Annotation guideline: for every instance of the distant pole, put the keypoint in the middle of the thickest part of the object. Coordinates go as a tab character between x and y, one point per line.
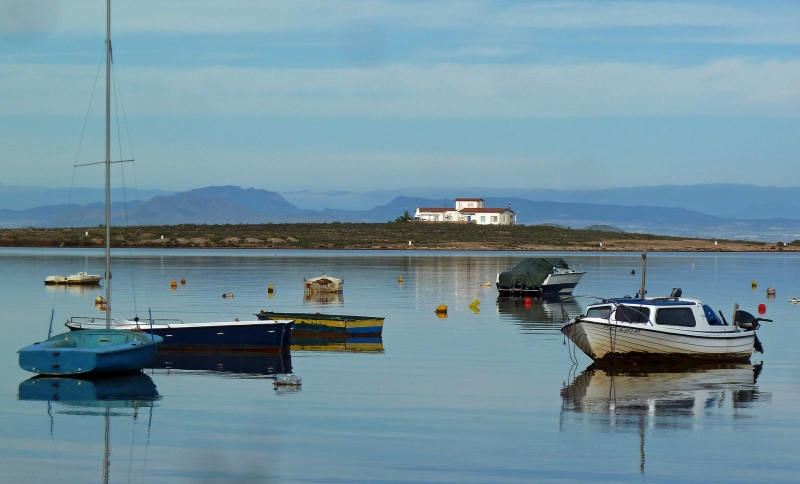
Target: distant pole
642	291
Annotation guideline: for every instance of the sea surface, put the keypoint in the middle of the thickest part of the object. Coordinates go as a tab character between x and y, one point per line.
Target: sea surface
491	394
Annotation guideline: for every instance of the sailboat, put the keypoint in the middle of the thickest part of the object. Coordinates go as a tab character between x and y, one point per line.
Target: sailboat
94	350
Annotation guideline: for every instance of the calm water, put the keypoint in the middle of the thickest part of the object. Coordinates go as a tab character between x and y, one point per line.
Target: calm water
491	396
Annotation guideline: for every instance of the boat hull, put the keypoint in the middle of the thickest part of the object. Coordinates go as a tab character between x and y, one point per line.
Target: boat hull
307	324
89	351
608	339
554	284
273	336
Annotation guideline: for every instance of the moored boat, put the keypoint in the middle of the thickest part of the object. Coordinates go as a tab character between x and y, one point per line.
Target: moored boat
95	351
660	327
538	276
266	336
334	324
323	284
81	278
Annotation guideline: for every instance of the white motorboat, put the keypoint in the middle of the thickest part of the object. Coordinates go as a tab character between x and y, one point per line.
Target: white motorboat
323	284
81	278
661	327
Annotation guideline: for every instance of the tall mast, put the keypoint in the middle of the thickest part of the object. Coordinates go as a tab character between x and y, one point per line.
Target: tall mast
108	164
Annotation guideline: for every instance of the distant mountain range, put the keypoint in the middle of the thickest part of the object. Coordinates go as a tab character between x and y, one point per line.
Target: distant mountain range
234	205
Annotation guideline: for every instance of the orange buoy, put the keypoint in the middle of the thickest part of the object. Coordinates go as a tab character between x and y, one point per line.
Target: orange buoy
173	284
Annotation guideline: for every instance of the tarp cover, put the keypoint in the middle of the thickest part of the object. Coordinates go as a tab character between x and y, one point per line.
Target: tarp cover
530	272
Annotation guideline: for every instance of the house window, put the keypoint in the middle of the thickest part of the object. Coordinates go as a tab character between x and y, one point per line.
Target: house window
483	218
494	218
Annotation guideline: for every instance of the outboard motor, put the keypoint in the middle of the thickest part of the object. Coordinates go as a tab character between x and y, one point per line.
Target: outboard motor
747	321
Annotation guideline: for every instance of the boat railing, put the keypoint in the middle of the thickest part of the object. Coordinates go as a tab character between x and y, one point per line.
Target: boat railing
92	321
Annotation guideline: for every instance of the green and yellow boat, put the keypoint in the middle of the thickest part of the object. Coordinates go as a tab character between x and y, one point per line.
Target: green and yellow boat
317	324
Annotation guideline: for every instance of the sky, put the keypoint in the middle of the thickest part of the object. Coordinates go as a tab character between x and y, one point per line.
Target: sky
355	95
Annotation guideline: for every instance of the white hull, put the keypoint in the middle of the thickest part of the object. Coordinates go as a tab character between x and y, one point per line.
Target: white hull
75	279
562	283
606	339
323	285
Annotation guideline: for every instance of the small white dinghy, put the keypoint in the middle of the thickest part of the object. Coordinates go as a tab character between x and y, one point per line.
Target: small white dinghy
81	278
323	284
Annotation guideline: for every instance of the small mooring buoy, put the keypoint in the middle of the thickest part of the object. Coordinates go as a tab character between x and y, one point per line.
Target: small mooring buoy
474	304
183	281
754	284
400	279
633	272
487	284
441	311
227	295
770	292
99	300
271	288
173	284
762	308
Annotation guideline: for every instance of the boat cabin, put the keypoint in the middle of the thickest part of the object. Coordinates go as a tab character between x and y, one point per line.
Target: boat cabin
670	312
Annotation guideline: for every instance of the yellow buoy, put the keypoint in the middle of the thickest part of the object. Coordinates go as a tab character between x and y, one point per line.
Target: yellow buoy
99	300
442	308
400	279
754	284
270	288
173	284
474	304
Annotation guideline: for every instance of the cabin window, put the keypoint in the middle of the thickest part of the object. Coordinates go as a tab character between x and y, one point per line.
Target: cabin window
633	314
599	312
711	316
676	317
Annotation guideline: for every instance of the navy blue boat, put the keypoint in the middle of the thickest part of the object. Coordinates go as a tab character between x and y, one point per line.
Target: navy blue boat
91	351
267	336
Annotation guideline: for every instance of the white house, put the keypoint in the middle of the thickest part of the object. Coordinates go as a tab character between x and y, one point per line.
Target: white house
470	210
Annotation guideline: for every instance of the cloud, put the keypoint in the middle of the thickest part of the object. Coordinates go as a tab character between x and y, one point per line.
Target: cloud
723	87
240	16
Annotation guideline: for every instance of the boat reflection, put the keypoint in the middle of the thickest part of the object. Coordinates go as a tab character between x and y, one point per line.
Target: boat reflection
536	315
75	288
133	390
674	395
233	364
339	345
323	299
95	397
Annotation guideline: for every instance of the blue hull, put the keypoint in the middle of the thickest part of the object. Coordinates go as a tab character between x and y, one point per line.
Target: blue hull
249	337
89	351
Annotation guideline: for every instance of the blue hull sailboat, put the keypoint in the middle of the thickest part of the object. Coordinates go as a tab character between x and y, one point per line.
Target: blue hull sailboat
87	351
96	350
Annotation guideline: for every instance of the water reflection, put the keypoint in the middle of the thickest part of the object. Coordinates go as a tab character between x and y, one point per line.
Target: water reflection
324	299
667	396
134	390
233	364
74	288
94	397
535	315
348	344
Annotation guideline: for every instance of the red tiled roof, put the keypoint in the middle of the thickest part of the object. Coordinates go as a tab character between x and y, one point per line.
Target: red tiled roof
436	209
469	199
484	210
